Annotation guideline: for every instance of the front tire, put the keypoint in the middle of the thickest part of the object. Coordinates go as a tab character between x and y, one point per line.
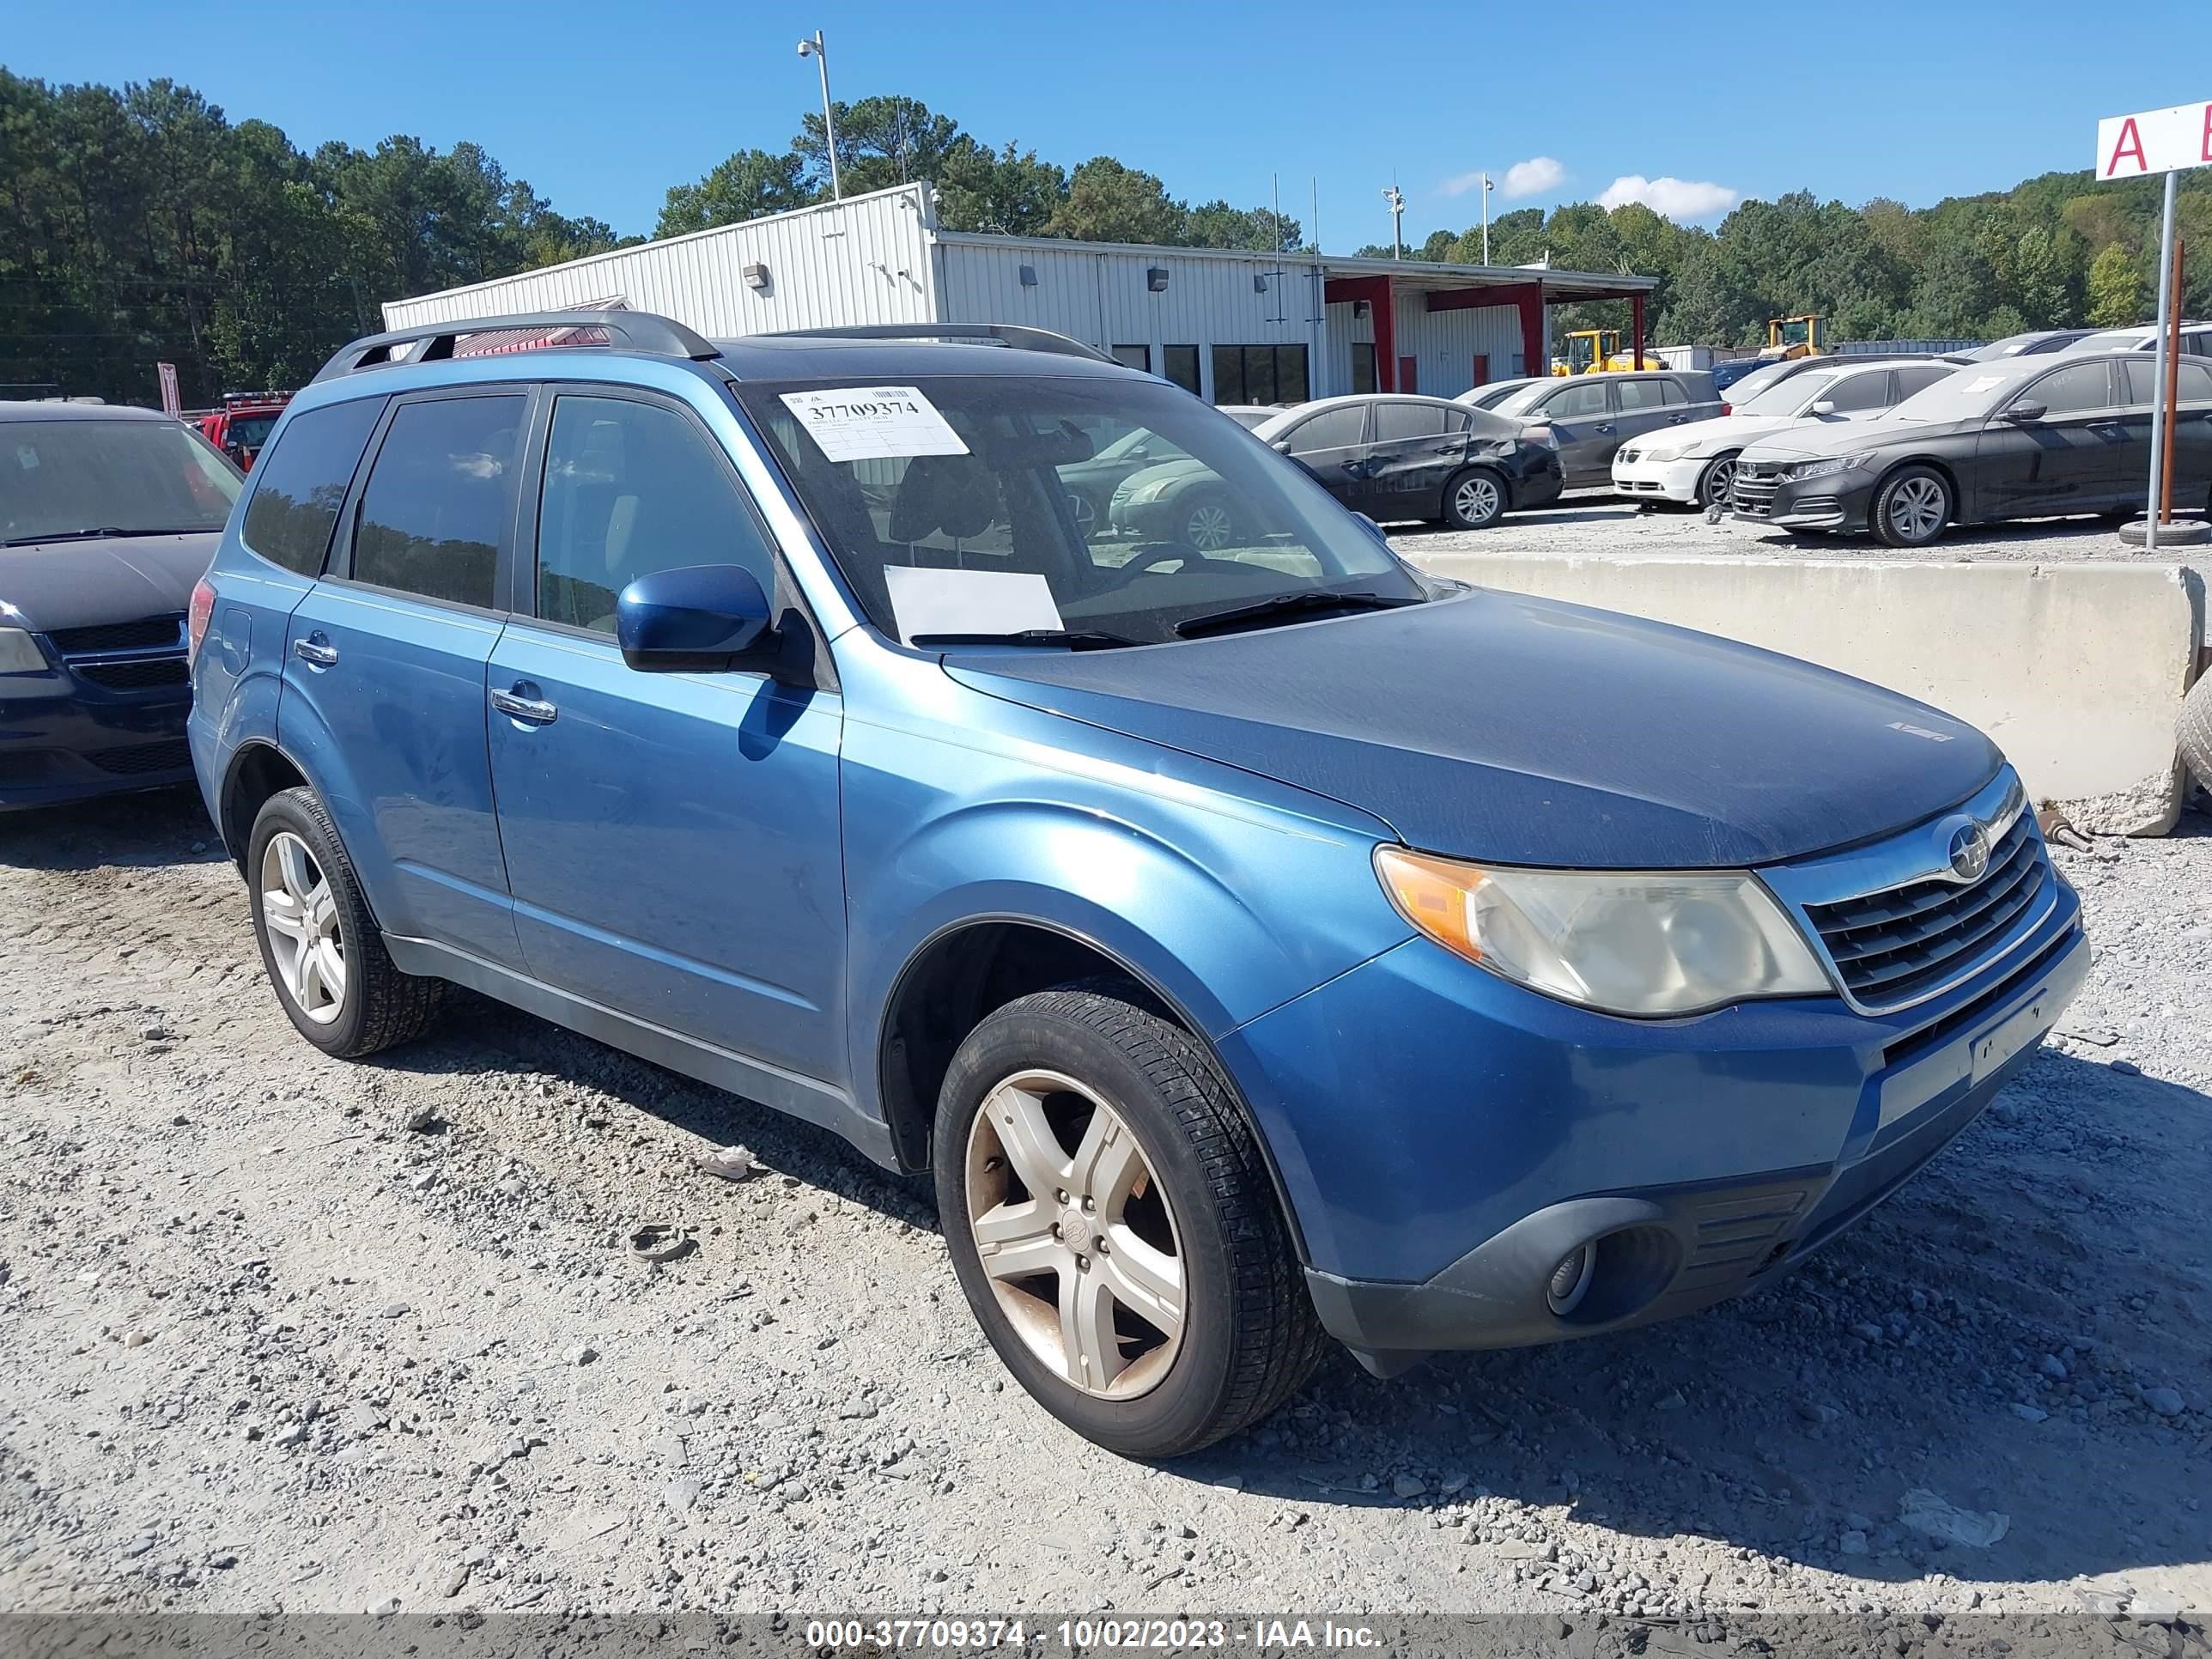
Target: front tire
1474	499
1912	506
319	946
1113	1226
1208	522
1716	483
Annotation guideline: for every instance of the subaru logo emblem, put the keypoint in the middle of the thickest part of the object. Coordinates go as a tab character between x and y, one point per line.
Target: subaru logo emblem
1970	852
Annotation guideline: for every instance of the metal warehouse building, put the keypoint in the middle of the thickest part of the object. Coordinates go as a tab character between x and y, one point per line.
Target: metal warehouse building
1233	327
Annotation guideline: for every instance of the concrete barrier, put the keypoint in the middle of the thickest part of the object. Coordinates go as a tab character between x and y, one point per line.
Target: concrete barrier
2077	670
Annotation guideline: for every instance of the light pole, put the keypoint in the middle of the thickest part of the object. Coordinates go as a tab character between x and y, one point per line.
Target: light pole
1396	198
1485	218
820	54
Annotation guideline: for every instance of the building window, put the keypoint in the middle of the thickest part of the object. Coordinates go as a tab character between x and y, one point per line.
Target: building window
1363	365
1259	374
1182	367
1135	356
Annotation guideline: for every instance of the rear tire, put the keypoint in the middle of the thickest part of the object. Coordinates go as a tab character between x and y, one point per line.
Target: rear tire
1020	1142
1912	506
1475	499
320	947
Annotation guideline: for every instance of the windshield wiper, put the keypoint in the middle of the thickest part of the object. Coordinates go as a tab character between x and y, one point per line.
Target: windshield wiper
93	533
1073	638
1288	605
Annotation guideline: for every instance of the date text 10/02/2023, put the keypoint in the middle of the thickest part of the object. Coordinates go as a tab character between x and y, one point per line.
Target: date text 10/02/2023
1138	1634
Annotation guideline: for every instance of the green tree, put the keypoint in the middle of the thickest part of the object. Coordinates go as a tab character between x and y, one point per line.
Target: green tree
1008	193
748	185
2115	288
1108	202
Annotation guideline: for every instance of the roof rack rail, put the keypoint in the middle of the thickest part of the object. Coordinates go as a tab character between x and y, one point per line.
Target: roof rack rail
1016	335
638	331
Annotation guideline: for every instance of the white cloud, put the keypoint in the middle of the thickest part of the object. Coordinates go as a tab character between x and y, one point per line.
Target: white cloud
1530	178
1670	198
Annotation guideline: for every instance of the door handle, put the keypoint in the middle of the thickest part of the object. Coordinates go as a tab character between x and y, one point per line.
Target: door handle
1676	420
1607	429
315	650
536	711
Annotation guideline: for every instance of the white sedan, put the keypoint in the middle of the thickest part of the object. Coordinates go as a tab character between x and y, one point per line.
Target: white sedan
1695	463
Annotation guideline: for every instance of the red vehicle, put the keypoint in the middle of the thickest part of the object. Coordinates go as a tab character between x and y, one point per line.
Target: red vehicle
241	426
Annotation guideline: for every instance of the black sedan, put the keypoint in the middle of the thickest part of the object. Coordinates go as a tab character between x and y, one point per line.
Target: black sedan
2025	438
108	516
1395	457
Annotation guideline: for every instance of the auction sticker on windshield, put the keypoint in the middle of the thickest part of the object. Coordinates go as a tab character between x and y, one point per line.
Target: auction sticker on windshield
874	423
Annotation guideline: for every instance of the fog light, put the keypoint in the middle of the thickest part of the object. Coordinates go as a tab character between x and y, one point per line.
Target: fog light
1570	1279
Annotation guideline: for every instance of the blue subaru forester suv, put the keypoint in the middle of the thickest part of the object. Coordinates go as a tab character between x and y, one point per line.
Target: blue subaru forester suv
1258	943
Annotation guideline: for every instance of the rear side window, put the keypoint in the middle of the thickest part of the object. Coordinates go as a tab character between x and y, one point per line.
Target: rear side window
439	497
633	488
1397	422
2194	385
1643	394
1910	381
1670	392
300	485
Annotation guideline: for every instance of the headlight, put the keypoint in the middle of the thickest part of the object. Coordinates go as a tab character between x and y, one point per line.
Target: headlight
19	652
1664	452
1145	494
1823	469
1646	944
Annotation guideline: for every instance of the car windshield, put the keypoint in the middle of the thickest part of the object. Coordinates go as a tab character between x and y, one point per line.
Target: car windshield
969	504
1520	402
1759	381
77	478
1786	397
1962	396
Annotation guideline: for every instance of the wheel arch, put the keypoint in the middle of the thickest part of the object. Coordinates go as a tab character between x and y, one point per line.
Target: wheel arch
1935	464
259	770
965	970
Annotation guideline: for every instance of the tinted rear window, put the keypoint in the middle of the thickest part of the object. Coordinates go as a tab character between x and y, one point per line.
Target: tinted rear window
440	495
300	484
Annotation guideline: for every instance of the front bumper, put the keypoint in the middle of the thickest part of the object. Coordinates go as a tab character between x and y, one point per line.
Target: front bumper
1438	1179
1664	480
1834	501
69	744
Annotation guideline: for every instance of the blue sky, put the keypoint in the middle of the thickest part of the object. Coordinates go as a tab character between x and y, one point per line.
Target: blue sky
602	107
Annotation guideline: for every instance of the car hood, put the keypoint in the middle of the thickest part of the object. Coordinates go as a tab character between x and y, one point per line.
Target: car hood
1523	731
1806	439
53	585
1721	432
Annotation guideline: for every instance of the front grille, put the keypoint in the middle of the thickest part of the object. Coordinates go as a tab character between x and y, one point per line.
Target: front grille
1754	489
135	674
1892	947
148	633
170	755
1630	454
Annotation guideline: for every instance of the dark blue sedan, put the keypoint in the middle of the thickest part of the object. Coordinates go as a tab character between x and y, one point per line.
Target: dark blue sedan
108	517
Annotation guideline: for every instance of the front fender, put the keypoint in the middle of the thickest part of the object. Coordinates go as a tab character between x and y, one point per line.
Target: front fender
1219	889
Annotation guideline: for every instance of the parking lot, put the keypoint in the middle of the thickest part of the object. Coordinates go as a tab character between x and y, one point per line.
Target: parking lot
287	1333
1598	522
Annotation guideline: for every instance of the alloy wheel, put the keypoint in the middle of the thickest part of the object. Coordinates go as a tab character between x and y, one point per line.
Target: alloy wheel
1075	1235
1720	483
1476	499
301	915
1916	509
1209	526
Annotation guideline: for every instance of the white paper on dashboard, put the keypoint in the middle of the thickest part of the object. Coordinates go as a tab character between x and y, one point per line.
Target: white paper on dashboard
928	600
874	423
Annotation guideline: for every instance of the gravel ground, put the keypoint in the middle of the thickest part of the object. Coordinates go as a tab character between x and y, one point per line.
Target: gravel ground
1598	522
284	1332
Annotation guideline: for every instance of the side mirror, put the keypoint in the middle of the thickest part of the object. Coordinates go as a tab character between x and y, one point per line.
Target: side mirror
1824	405
701	617
2019	412
1281	445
